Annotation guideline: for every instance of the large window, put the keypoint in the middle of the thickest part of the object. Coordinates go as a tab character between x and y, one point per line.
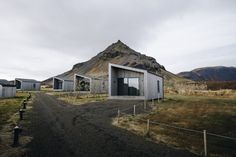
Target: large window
128	86
158	86
58	84
18	84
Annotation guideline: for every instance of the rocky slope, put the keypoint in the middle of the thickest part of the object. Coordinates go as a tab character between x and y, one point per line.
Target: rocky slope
119	53
217	73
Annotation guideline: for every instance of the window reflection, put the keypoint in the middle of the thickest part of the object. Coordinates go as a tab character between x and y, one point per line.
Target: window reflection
128	86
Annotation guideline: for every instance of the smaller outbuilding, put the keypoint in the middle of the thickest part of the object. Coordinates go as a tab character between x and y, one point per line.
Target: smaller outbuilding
82	83
132	83
62	84
27	84
7	89
87	84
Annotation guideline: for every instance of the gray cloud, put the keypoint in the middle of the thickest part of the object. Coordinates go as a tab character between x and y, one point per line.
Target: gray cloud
60	33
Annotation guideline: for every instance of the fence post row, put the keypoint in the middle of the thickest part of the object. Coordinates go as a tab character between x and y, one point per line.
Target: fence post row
191	130
205	143
16	129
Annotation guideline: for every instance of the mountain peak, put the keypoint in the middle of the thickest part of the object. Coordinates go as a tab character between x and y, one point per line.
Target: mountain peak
116	49
118	41
119	46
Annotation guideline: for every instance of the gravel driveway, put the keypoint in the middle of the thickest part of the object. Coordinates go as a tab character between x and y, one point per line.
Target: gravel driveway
63	130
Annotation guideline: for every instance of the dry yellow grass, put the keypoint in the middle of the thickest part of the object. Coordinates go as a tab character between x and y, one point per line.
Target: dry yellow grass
215	114
9	106
79	98
9	119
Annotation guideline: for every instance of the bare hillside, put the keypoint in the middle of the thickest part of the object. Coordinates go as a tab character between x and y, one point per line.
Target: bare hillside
120	53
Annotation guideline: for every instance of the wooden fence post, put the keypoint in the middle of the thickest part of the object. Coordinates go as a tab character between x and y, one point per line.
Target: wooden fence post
205	142
134	110
152	102
148	126
145	104
118	115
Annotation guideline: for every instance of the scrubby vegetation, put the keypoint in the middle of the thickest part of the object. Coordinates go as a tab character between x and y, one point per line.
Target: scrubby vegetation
214	114
79	98
217	85
9	106
9	118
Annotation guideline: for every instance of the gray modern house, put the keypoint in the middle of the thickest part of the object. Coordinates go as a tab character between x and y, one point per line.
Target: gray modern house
62	84
90	84
7	89
27	84
131	83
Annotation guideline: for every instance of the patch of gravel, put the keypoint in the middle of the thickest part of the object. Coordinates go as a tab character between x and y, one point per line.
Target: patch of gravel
60	129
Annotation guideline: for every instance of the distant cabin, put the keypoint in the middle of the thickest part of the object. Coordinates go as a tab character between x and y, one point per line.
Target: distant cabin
27	84
86	84
7	89
62	84
131	83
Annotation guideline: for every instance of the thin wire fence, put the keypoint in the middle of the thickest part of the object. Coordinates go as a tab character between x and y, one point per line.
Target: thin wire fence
210	144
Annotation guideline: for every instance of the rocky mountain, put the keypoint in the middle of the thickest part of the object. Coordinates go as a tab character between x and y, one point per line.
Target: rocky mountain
217	73
120	53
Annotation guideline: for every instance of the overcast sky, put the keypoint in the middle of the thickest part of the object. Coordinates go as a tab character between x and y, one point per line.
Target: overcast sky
43	38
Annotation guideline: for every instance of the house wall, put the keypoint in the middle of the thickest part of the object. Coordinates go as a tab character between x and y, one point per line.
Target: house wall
112	81
99	86
6	92
148	83
68	85
152	86
123	73
29	86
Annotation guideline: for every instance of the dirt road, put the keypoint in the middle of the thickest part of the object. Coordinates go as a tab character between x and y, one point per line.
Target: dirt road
64	130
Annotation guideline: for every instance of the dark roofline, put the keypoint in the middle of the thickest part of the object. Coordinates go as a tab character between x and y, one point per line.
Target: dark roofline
7	85
155	74
27	80
134	69
59	78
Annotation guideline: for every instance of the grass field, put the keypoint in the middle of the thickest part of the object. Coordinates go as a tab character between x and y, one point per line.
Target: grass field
9	118
9	106
217	85
214	114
